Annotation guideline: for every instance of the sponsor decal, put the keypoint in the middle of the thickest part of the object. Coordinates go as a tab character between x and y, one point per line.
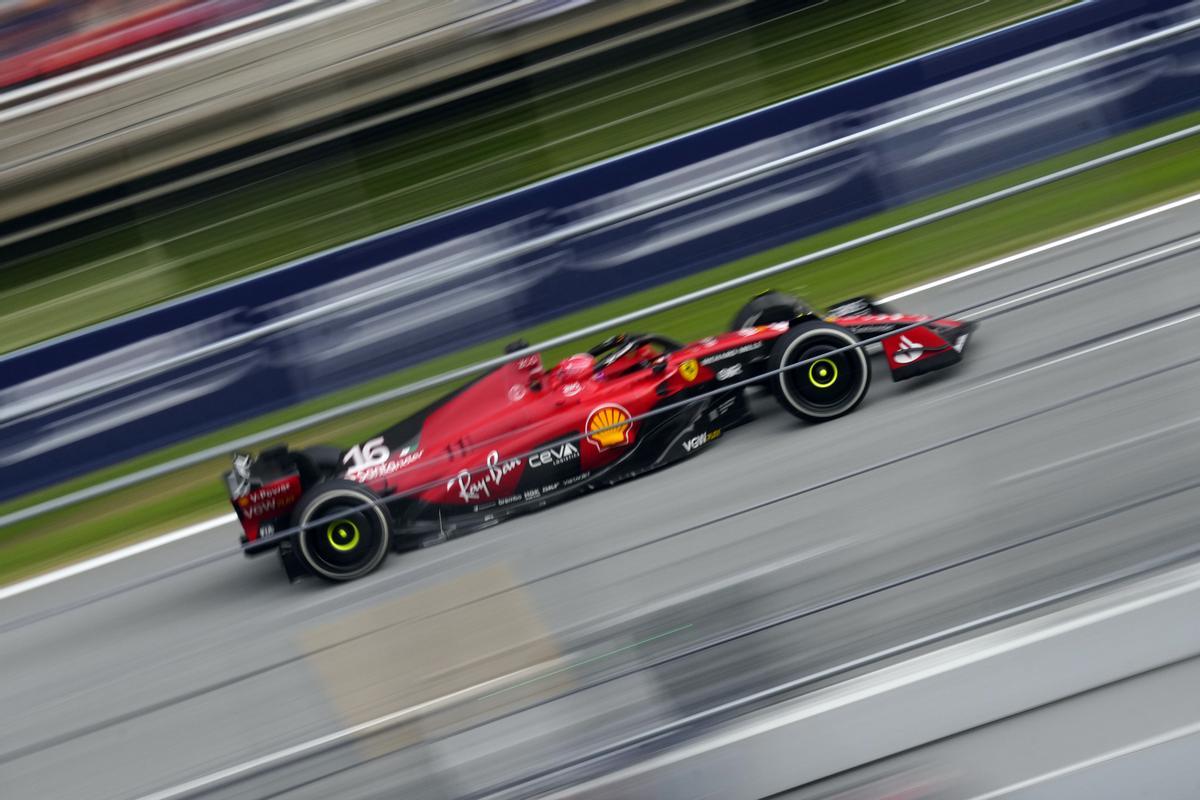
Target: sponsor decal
730	372
266	530
571	389
272	490
689	369
273	497
372	472
737	351
780	327
699	440
748	331
549	487
368	454
554	456
576	478
506	501
260	509
909	351
533	494
472	487
608	426
708	341
850	309
516	393
873	328
528	362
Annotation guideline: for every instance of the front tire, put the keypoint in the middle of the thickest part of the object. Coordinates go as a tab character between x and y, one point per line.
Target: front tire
345	532
827	384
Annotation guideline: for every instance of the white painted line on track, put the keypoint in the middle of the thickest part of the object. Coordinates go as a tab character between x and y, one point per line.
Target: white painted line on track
221	776
1088	276
1088	455
1143	744
1043	248
116	555
150	544
1060	359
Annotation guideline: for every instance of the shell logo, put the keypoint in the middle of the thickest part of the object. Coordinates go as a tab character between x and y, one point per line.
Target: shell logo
608	426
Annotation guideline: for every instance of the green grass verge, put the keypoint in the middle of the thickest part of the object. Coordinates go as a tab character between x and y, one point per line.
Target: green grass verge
943	247
542	127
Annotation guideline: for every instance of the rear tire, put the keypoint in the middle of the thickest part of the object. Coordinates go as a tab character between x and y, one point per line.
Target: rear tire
348	541
316	463
831	384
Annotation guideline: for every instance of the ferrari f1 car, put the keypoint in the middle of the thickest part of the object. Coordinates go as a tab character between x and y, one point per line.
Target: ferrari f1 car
521	437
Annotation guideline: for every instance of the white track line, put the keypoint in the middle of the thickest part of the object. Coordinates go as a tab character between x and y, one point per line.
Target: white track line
1142	744
1088	455
114	556
1090	276
1076	354
150	544
1042	248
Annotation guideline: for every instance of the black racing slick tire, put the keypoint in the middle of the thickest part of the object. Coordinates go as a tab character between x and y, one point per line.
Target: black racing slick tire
345	532
818	383
767	308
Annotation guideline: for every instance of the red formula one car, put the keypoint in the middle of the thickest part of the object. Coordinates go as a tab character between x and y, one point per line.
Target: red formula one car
520	438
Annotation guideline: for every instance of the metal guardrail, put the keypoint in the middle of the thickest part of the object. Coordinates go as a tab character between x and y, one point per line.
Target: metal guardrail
592	224
452	375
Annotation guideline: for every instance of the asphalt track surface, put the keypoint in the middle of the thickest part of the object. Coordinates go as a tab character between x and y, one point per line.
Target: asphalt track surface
1062	452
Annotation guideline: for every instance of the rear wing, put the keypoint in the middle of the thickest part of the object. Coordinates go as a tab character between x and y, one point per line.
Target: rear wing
263	491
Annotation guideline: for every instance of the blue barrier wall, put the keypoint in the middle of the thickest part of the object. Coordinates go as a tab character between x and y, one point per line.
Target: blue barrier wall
471	275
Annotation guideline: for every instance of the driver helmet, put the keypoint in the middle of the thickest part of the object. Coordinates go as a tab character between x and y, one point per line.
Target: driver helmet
577	367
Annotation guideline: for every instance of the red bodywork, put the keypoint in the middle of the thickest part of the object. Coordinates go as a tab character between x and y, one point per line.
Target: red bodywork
502	416
521	436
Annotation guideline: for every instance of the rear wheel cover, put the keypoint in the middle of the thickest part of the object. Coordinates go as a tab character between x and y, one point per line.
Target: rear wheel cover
344	536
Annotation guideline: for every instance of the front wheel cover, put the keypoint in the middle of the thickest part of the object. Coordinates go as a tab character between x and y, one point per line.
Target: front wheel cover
351	534
828	384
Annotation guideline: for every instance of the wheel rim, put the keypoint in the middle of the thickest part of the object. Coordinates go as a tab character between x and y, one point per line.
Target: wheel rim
346	543
822	373
827	381
342	535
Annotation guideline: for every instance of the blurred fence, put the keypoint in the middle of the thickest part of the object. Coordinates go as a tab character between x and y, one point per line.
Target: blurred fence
488	270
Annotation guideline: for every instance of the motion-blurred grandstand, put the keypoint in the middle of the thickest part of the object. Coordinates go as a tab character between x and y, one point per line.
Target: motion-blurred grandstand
40	38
